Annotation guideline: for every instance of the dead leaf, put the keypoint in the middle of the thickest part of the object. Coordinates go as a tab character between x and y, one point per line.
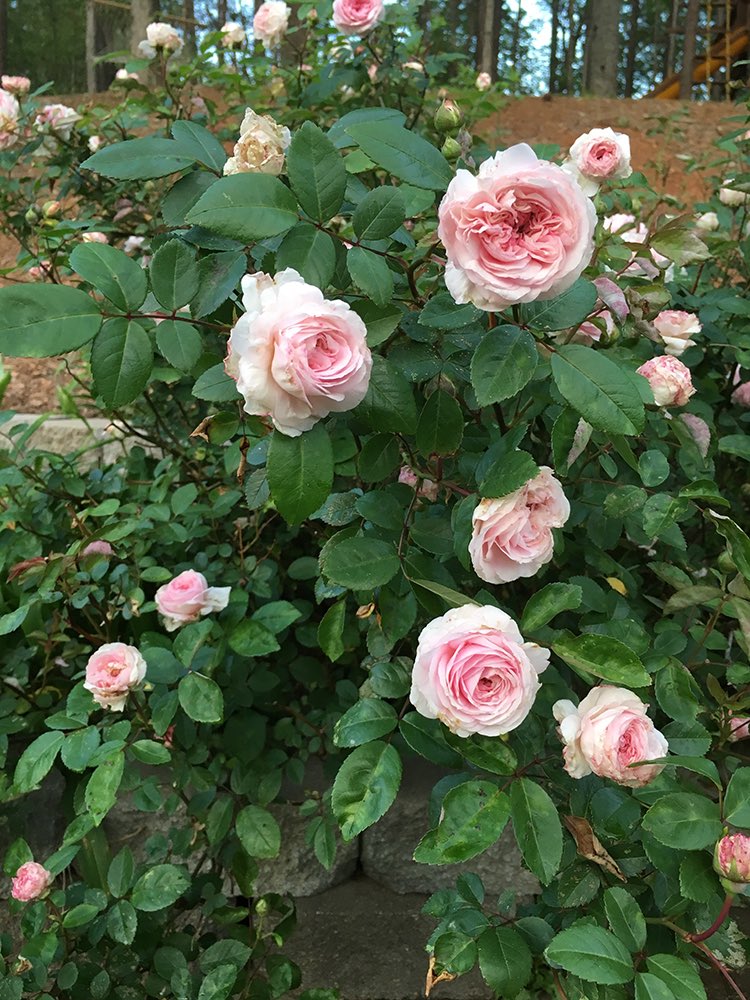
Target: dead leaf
590	847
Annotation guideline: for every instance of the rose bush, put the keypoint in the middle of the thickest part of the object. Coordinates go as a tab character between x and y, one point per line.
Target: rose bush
408	474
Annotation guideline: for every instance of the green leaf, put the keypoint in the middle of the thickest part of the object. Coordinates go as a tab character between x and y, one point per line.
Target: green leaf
258	832
79	916
14	619
174	273
101	790
442	313
219	983
122	358
79	747
218	276
548	602
310	252
451	597
455	952
624	500
486	752
679	242
650	987
201	698
120	873
380	321
681	978
361	563
602	656
371	274
404	154
300	472
365	787
205	147
246	207
737	799
605	394
151	752
536	824
684	821
698	880
735	444
215	385
183	195
36	761
508	474
389	404
159	887
592	953
111	272
472	818
368	719
564	311
379	457
380	213
331	631
677	693
504	960
440	428
139	159
122	922
316	172
42	321
503	363
738	543
252	638
426	737
625	918
180	344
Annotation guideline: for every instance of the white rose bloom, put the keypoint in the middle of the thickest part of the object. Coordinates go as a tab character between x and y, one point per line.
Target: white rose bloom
160	37
260	147
232	34
708	222
9	112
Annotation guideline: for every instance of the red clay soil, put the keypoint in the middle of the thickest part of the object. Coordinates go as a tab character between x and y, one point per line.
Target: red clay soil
672	144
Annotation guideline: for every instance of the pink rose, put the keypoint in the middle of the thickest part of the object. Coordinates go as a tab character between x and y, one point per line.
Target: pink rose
57	118
160	37
270	22
512	535
16	85
607	733
9	112
95	238
483	81
741	395
475	673
40	271
739	728
98	548
357	17
669	379
599	155
112	672
699	431
188	596
675	326
30	882
427	489
521	230
295	355
732	858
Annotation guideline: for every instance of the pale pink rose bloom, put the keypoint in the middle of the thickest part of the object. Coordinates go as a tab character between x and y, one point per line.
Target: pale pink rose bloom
675	327
57	118
521	230
475	673
95	237
708	222
297	356
428	489
739	728
232	35
599	155
261	146
16	85
112	672
699	431
123	76
188	596
483	81
40	271
670	380
198	106
9	112
94	143
270	22
607	733
741	395
98	548
512	535
160	37
30	882
357	17
732	858
133	244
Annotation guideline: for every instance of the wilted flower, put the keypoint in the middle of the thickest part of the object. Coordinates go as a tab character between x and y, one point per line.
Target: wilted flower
261	146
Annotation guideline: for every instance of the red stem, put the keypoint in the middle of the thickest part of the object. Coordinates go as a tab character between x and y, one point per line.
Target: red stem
723	914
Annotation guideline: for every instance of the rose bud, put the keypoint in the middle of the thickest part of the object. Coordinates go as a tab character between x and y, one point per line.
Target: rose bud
448	116
30	882
669	379
732	857
451	149
50	209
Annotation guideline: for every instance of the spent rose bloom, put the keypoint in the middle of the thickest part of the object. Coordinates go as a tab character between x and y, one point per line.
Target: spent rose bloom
270	22
160	37
30	882
732	858
670	380
260	147
9	112
475	673
57	118
607	733
94	143
741	395
188	596
427	489
98	548
739	728
708	222
40	271
232	35
133	244
699	431
112	672
512	535
122	75
357	17
599	155
95	237
519	231
675	327
297	356
483	81
16	85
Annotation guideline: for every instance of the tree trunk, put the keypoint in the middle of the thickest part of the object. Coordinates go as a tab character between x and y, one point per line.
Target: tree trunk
602	48
141	12
574	33
486	30
90	46
672	39
688	49
555	6
221	18
635	10
516	36
188	12
4	66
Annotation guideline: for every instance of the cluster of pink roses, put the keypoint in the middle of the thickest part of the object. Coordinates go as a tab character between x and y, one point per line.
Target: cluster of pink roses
352	17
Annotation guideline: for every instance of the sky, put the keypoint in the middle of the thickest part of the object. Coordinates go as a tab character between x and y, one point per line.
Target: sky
533	11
